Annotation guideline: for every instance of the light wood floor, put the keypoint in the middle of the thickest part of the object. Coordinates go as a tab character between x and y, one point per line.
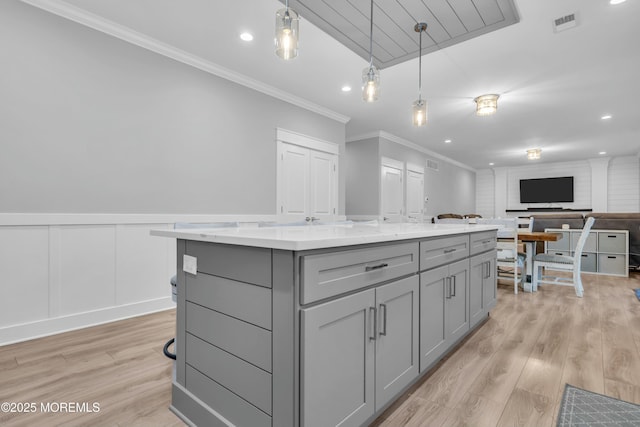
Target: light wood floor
511	372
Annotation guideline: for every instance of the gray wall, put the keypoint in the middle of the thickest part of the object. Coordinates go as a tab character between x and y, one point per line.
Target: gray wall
363	177
450	189
89	123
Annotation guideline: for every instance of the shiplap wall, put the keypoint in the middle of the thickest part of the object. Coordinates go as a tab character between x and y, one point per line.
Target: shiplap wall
580	171
623	184
485	190
623	188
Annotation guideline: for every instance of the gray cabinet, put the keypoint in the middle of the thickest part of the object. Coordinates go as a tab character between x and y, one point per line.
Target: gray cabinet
337	361
444	309
357	353
482	286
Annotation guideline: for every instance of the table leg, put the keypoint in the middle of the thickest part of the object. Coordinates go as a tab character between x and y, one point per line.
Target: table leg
526	282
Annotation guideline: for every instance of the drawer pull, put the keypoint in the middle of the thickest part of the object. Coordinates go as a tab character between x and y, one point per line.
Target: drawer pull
612	237
376	267
484	242
448	251
584	255
611	257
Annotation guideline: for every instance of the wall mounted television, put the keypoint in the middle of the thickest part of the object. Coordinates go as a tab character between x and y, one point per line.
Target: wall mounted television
546	190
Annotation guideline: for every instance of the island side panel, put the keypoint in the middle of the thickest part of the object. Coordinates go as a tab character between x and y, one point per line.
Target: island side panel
180	343
285	339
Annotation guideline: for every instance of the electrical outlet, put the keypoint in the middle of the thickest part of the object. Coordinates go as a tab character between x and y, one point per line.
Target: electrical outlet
190	264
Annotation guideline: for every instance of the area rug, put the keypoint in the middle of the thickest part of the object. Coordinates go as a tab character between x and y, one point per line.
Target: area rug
581	408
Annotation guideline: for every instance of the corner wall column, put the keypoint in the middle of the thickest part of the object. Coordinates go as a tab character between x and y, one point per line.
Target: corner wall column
599	184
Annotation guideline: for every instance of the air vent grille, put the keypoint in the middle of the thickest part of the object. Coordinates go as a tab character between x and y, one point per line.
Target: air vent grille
433	165
564	22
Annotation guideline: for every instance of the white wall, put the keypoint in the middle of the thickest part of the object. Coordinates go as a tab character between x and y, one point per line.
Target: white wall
102	141
620	192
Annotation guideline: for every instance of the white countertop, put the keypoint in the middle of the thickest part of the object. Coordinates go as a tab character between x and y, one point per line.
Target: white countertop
299	238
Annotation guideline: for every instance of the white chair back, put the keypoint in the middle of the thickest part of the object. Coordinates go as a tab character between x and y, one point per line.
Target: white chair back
577	257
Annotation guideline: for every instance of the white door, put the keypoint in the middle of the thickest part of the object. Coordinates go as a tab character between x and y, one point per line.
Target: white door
307	178
294	181
392	197
415	192
322	185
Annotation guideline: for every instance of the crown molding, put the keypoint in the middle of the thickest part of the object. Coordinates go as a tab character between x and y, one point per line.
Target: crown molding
393	138
88	19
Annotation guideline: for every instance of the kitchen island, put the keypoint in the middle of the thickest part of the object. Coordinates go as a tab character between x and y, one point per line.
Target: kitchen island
320	325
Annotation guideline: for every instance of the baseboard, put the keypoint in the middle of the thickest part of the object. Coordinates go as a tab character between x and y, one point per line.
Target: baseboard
41	328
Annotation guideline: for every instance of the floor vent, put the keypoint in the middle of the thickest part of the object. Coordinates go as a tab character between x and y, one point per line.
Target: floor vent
433	165
564	23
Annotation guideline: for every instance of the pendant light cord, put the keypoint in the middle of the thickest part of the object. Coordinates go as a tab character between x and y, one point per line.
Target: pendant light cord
371	37
420	69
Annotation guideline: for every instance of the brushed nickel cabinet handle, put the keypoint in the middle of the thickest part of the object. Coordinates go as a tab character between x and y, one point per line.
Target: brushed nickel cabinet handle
448	251
376	267
373	315
384	319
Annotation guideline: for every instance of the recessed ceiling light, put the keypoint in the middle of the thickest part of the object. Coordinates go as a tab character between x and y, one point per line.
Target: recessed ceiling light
346	88
606	117
447	141
602	152
616	1
491	164
246	37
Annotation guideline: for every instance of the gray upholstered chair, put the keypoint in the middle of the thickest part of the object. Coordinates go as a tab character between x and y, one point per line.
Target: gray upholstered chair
562	263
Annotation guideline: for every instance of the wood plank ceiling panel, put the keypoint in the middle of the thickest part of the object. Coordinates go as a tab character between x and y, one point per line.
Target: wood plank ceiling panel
449	22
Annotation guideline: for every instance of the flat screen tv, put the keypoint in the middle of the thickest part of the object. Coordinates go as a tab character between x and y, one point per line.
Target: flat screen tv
546	190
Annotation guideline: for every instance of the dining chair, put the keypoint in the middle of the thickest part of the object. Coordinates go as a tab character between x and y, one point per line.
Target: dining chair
563	263
509	262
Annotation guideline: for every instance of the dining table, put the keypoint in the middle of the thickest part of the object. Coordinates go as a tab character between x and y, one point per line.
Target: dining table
529	238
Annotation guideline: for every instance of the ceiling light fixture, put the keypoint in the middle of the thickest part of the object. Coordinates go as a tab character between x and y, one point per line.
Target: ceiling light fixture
287	21
246	37
606	117
346	88
446	141
420	106
616	1
370	75
534	154
602	152
486	104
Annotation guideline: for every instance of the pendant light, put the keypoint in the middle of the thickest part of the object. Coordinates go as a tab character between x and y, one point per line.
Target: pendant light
420	106
287	21
370	75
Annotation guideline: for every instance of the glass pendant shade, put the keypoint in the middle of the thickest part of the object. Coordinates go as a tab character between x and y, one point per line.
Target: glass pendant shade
420	112
370	84
287	24
486	104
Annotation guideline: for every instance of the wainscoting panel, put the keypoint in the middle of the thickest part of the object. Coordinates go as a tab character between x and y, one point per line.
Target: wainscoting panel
24	273
87	269
68	271
142	270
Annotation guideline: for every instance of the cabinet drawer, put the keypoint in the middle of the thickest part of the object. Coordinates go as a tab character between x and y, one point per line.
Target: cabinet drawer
612	264
482	242
441	251
612	242
588	263
326	275
562	244
590	245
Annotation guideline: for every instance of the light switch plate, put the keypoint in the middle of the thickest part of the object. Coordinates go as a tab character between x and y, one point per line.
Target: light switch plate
189	264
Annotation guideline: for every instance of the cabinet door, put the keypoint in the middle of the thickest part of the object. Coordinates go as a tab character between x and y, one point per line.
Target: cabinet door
432	302
293	181
397	338
415	194
457	308
490	284
392	193
337	361
322	182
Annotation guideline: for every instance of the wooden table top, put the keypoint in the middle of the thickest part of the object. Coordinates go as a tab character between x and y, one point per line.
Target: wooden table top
538	236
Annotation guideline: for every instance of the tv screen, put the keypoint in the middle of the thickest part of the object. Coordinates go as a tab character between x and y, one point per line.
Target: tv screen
546	190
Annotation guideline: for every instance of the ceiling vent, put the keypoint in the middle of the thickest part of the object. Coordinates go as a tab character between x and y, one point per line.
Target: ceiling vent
564	23
432	164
